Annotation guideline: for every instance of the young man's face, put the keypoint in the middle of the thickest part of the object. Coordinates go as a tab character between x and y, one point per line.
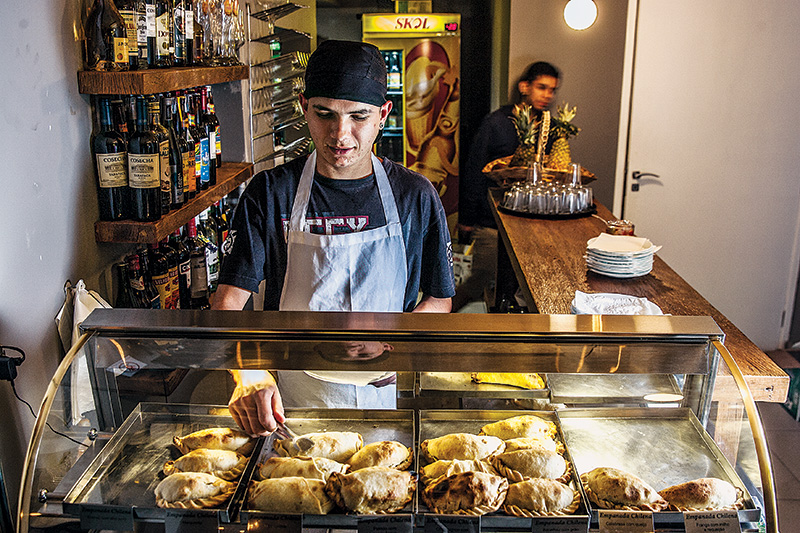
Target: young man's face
343	132
540	92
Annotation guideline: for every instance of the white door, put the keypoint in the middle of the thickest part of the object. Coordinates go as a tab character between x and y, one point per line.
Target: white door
715	113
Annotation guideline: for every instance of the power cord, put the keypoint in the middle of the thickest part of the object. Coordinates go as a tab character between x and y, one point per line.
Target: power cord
8	371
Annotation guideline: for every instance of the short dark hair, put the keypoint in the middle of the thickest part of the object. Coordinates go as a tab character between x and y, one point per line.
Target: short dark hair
534	70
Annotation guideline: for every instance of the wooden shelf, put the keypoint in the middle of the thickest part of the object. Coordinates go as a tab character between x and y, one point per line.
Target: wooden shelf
151	81
229	176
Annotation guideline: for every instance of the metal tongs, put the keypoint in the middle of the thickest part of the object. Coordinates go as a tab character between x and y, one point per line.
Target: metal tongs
285	433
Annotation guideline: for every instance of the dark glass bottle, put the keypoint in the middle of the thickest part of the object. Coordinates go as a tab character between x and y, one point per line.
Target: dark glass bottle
197	254
213	120
106	38
109	152
150	25
184	270
144	168
222	227
186	144
150	290
188	21
159	269
119	117
179	32
127	9
208	235
209	125
175	155
140	12
136	282
198	132
165	47
161	133
199	55
174	282
125	297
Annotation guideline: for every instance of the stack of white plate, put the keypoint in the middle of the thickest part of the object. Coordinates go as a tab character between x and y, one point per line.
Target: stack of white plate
620	256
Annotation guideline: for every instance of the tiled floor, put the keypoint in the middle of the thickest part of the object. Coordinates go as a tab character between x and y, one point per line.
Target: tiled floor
783	439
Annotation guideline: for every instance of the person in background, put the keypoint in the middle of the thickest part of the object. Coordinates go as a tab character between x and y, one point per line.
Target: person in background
495	138
338	230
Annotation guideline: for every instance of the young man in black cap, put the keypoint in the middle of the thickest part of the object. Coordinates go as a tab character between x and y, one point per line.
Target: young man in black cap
339	230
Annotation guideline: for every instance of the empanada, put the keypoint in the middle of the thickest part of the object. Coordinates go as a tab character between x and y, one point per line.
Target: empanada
461	446
388	453
472	493
541	497
289	495
216	439
307	467
612	488
703	494
514	379
523	443
372	490
434	471
520	426
531	463
193	490
337	445
224	464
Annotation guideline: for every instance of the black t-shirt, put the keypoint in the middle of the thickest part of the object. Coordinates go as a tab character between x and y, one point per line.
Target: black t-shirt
257	244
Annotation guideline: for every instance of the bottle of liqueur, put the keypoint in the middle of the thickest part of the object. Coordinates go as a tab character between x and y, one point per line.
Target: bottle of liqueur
175	155
195	134
153	298
184	270
127	8
161	133
125	297
222	227
199	57
140	13
210	128
164	37
150	22
174	277
159	269
190	173
106	38
208	235
109	152
179	32
212	117
144	168
136	281
197	253
199	133
188	21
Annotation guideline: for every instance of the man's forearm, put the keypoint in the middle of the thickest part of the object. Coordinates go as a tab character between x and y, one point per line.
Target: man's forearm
230	298
429	304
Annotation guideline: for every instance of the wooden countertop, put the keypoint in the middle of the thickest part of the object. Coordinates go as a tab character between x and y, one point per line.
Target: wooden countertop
547	258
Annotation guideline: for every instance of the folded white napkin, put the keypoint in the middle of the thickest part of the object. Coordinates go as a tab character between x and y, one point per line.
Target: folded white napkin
612	304
621	244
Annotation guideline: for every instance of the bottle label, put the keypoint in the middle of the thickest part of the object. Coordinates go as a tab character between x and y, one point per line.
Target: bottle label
144	171
218	137
199	276
163	148
185	271
212	144
162	35
161	281
205	175
121	50
141	34
137	283
129	16
189	182
198	162
112	170
180	33
177	190
188	16
150	20
174	288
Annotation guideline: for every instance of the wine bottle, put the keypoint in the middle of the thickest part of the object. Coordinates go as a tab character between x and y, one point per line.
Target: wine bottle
127	9
200	133
174	277
119	117
184	270
164	39
144	168
161	133
188	20
210	128
190	173
136	281
218	131
153	298
197	254
106	38
208	235
125	297
179	32
175	155
150	18
159	268
109	152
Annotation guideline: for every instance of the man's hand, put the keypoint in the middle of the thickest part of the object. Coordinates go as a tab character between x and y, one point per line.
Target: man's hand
429	304
256	403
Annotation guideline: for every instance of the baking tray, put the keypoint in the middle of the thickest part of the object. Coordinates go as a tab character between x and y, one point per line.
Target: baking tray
436	423
125	473
373	425
460	384
663	446
633	390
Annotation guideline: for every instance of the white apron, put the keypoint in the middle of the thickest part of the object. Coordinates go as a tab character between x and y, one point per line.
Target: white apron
361	271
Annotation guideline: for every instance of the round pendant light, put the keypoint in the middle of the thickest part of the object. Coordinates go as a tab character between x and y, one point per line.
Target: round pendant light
580	14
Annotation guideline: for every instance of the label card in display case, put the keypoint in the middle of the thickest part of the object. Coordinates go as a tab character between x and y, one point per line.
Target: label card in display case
386	524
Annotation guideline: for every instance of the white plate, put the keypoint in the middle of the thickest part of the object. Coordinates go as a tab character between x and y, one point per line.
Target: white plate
621	244
621	274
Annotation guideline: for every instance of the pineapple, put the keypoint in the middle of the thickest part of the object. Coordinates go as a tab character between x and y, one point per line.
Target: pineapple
527	128
563	128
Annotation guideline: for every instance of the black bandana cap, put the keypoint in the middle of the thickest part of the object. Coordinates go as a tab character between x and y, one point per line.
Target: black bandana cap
347	70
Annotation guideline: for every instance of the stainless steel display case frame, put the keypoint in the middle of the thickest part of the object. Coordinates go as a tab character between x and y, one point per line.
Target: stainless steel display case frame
690	347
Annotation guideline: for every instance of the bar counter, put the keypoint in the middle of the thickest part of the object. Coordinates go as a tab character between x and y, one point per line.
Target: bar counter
546	257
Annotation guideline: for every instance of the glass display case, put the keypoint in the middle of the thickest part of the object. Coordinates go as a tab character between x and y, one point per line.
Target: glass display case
655	396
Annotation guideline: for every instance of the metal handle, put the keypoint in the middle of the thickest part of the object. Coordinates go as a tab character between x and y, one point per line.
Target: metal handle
636	175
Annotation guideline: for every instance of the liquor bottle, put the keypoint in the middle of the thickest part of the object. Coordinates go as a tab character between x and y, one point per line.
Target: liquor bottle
109	152
144	168
159	269
196	134
212	117
199	133
150	23
136	281
222	226
161	133
127	9
125	297
179	32
207	122
174	277
175	155
188	21
106	38
119	117
140	14
197	254
207	233
165	47
153	298
191	172
394	70
184	270
199	56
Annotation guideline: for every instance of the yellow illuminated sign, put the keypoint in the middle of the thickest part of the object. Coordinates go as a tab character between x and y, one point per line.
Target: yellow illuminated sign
412	23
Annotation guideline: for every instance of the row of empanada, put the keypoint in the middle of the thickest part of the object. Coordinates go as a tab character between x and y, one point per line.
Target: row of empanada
346	447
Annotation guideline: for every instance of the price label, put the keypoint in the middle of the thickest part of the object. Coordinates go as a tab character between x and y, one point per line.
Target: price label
711	522
106	517
386	524
283	523
176	521
626	521
560	525
452	524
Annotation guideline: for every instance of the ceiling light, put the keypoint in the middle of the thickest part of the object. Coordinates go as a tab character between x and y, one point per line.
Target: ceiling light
580	14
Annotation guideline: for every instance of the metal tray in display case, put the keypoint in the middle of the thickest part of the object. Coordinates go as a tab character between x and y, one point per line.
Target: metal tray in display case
373	425
605	389
664	447
436	423
460	384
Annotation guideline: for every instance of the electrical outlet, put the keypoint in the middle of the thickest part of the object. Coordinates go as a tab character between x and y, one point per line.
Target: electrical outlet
8	368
